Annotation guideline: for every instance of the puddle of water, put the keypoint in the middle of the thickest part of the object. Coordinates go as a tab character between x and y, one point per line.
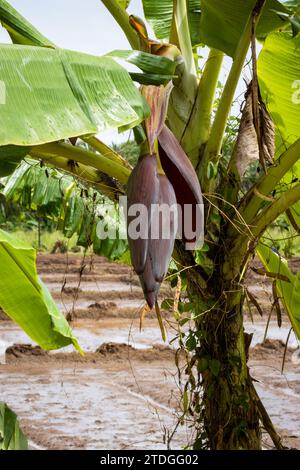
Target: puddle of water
274	332
104	286
282	405
83	304
88	409
91	334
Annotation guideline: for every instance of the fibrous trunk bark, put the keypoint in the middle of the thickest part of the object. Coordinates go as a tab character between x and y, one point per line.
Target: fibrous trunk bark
230	413
227	409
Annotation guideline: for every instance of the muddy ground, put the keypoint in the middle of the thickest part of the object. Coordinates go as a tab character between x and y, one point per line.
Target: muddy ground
124	393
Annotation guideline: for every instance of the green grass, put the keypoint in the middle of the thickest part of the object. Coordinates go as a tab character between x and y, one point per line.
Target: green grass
48	239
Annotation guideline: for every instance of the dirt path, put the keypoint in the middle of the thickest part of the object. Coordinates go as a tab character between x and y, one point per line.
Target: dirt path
124	396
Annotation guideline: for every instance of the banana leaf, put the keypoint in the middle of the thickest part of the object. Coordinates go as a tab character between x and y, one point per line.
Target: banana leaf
146	62
11	435
75	210
157	70
289	292
223	22
216	23
279	79
19	29
159	14
53	94
26	300
10	157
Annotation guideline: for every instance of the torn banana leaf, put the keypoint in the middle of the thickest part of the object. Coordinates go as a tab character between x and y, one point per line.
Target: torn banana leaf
146	62
26	300
55	194
288	292
150	78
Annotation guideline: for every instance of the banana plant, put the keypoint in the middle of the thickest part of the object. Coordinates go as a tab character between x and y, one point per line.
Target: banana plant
179	119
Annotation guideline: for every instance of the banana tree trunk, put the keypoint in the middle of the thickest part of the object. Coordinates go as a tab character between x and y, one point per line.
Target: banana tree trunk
227	408
230	411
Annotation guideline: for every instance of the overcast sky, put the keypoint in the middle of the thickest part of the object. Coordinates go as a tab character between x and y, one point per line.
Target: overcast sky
82	25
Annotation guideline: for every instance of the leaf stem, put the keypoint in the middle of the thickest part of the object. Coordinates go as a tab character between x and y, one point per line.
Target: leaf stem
87	174
183	34
198	129
77	154
270	213
252	200
106	151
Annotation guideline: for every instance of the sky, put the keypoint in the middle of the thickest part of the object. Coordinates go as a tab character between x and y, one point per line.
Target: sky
82	25
86	26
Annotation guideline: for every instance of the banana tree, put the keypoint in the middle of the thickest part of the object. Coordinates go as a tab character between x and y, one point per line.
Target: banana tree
50	95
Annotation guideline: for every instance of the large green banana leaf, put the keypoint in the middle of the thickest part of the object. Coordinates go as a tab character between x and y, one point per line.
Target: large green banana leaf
95	92
22	32
289	292
11	435
217	23
25	298
159	14
52	94
279	79
223	22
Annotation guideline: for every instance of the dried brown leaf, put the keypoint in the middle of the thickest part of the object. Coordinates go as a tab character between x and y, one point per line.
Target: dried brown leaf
247	149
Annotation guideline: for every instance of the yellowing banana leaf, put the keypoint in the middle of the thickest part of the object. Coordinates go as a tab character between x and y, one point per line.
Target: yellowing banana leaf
223	22
26	300
11	435
52	94
289	292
